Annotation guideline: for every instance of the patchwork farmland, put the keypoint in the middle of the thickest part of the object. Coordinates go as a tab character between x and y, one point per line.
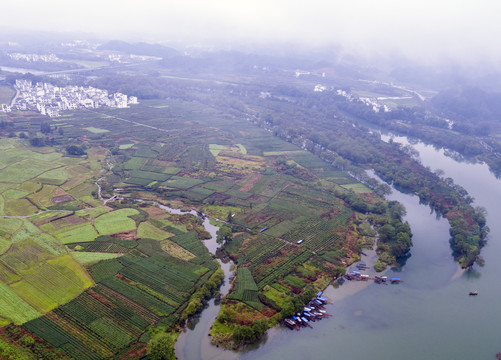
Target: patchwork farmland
118	268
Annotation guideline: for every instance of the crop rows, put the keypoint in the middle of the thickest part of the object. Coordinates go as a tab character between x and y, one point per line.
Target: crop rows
182	183
100	321
245	281
86	309
198	193
158	280
139	296
135	163
219	186
311	162
189	271
138	181
190	242
149	175
83	334
263	248
123	301
246	289
317	233
105	269
7	274
284	269
145	152
313	194
304	202
101	246
270	257
239	194
270	263
281	228
314	232
59	338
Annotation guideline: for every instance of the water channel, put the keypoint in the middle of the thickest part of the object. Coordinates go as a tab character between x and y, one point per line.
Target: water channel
194	342
428	316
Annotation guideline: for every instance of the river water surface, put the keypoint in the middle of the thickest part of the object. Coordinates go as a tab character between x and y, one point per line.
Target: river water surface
194	342
428	316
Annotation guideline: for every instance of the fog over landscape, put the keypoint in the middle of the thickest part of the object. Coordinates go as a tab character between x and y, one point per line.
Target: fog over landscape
427	30
201	180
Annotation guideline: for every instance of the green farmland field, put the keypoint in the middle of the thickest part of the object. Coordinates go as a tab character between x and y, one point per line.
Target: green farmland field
146	230
12	194
25	170
56	176
78	233
154	266
14	308
182	182
19	207
115	222
47	284
246	289
90	257
96	130
125	146
135	163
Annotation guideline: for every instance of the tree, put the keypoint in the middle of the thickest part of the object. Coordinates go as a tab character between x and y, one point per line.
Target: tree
161	347
75	150
45	128
37	141
379	208
402	244
224	234
193	306
287	309
397	210
386	233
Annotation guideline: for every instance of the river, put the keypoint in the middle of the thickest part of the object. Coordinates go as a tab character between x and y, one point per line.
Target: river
22	70
428	316
199	326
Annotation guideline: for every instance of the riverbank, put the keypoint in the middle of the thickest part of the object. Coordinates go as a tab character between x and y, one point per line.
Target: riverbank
430	315
198	326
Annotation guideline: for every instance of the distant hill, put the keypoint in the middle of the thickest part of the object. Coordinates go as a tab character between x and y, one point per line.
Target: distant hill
469	102
140	48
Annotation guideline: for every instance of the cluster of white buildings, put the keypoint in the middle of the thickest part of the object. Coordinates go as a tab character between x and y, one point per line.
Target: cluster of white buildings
34	57
50	100
371	102
376	106
124	59
374	103
80	44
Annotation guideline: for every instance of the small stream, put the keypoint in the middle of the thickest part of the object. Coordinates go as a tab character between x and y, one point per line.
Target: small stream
197	330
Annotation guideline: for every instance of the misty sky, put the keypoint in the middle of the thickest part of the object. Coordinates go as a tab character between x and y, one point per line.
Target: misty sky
425	29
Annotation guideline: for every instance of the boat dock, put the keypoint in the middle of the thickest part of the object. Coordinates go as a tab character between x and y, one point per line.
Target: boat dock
357	276
313	311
